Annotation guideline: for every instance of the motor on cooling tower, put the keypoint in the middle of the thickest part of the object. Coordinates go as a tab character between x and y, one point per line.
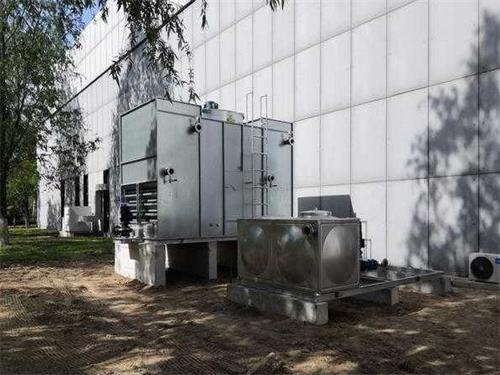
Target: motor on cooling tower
126	217
367	264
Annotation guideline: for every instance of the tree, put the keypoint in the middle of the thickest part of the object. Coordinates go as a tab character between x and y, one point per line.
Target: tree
35	66
36	37
21	190
151	19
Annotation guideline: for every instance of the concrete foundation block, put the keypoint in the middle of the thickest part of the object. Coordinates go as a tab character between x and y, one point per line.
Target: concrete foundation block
438	287
151	265
276	303
144	262
126	255
385	296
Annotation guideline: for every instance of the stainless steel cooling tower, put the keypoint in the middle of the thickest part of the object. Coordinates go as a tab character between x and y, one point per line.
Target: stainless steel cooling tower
194	172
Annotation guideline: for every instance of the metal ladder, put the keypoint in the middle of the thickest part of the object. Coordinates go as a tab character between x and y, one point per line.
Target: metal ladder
259	156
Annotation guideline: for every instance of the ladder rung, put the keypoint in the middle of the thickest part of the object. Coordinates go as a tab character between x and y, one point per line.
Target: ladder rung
260	131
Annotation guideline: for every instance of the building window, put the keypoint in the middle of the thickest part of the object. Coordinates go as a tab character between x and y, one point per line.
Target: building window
86	190
76	182
105	176
63	196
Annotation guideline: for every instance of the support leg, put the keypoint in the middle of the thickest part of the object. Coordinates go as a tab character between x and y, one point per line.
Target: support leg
151	268
441	287
126	255
212	260
144	262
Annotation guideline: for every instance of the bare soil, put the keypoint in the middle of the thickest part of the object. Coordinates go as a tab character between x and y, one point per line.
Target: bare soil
82	318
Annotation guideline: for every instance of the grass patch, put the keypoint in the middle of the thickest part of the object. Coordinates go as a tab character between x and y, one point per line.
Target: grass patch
37	245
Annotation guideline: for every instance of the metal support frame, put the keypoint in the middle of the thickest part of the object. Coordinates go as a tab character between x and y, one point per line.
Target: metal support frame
376	286
167	241
371	281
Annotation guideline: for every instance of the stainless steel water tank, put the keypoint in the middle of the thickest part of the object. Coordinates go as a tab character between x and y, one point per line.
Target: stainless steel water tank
315	253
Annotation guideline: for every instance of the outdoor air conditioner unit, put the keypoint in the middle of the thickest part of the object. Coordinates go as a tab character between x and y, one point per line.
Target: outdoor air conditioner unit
484	267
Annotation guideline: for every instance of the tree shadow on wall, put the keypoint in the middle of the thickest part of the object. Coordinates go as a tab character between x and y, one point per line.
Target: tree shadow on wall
463	137
137	85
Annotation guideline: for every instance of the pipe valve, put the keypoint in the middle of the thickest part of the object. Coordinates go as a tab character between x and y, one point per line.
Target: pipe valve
270	180
168	172
289	140
196	125
308	230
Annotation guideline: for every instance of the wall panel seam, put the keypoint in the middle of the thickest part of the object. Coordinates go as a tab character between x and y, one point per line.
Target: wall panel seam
478	125
428	134
385	137
320	143
350	98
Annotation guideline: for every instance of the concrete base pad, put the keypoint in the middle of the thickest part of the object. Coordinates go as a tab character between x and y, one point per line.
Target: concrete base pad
273	302
148	261
279	302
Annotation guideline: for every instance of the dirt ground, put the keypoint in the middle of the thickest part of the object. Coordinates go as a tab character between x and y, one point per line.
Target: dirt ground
81	318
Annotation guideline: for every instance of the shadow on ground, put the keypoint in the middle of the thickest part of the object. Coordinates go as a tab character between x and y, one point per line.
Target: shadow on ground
85	319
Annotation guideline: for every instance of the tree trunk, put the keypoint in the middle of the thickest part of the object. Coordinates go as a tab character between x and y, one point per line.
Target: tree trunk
4	231
26	211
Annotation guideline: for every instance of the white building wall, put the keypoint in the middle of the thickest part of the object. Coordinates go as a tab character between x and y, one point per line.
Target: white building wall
395	102
101	101
385	96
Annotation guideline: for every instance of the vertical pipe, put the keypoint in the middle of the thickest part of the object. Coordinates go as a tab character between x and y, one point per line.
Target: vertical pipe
137	203
199	177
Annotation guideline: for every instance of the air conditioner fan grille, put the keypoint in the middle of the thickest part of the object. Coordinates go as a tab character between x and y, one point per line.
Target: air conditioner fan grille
481	268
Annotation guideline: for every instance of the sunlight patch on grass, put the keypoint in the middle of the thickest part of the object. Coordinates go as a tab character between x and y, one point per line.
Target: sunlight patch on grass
37	245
